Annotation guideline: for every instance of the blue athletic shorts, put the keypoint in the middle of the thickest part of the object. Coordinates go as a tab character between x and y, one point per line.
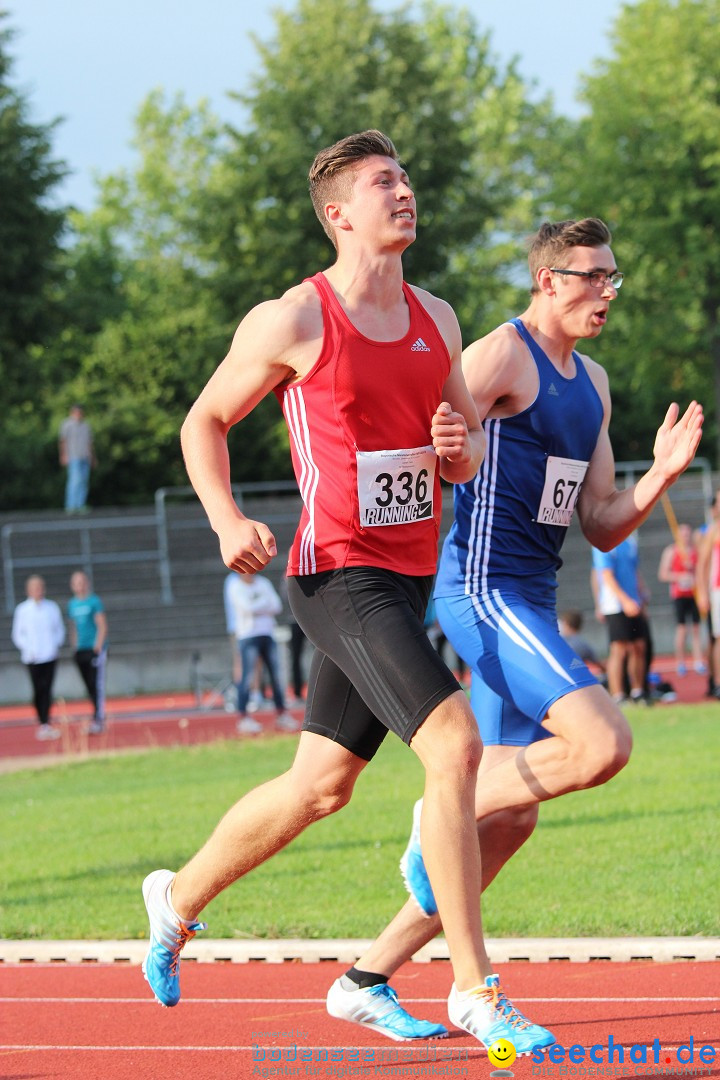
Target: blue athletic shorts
519	661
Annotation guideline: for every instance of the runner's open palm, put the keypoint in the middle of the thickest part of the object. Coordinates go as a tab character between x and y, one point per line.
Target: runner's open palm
677	440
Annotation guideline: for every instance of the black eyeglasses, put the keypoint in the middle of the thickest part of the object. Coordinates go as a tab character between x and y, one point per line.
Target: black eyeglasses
597	278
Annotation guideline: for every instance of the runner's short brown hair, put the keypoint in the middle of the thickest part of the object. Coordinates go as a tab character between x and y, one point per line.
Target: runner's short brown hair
554	240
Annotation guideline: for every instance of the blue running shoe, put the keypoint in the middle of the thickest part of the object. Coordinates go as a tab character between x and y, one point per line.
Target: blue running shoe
168	935
378	1008
413	869
488	1015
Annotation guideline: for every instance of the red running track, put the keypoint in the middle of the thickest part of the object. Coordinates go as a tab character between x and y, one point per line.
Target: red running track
147	721
137	723
266	1020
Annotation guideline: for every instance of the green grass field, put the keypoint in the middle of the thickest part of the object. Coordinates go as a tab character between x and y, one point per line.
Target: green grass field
634	857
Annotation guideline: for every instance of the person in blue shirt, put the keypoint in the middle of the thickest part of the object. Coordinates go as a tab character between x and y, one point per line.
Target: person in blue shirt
620	602
88	638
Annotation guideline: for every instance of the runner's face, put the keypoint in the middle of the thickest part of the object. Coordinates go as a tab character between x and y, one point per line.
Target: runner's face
583	308
382	204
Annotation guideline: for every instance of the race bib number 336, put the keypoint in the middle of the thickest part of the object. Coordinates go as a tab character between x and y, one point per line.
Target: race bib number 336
563	480
395	486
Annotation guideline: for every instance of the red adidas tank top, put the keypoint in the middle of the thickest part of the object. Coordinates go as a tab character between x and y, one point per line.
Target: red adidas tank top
359	425
685	563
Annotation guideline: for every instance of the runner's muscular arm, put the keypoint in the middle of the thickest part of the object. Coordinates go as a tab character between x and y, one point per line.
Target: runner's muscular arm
493	367
457	433
264	353
607	515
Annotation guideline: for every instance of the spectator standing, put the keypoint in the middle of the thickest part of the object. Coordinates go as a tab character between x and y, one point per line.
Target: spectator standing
88	638
678	568
255	605
621	599
230	625
38	632
77	456
708	590
701	542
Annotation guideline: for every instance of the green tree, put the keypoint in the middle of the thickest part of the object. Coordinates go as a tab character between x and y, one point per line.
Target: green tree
647	159
30	231
148	331
469	134
212	221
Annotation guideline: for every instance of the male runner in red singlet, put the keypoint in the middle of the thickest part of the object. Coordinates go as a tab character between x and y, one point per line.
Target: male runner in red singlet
708	589
367	369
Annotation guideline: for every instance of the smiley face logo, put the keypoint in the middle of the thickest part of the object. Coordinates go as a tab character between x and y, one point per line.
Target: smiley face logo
501	1053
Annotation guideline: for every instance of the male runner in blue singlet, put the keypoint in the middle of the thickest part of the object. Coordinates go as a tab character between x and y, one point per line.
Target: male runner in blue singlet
547	726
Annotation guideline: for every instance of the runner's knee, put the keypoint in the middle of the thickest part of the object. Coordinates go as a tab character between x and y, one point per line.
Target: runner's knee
600	758
326	795
449	744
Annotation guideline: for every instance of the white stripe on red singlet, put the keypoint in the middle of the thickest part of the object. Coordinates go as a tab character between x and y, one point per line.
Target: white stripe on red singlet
296	417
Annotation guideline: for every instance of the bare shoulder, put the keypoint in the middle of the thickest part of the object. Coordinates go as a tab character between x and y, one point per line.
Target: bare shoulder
294	316
434	304
502	350
283	334
598	375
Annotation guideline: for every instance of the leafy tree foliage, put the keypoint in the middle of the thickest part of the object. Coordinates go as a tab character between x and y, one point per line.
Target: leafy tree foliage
212	221
30	230
647	160
467	132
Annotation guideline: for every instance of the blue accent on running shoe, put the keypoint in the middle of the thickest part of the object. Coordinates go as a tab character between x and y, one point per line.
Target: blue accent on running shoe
412	867
377	1007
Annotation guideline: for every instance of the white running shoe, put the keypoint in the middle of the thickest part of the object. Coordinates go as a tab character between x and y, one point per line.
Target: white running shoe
168	935
45	732
247	726
378	1008
286	722
487	1014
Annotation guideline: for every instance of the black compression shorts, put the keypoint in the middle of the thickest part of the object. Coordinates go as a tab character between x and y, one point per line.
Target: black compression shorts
622	627
686	609
374	669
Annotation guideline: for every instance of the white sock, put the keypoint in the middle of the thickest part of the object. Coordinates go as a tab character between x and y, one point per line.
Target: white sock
168	900
462	994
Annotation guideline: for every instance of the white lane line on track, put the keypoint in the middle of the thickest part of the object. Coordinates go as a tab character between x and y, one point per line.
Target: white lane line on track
441	1053
321	1001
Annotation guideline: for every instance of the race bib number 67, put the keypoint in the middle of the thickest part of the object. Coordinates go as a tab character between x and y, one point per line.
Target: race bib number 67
395	486
563	481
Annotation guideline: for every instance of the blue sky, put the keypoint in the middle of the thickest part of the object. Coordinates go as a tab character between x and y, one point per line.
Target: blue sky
93	61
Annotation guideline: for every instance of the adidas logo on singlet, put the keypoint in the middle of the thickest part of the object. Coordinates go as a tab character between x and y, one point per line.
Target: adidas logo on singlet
419	346
552	389
576	663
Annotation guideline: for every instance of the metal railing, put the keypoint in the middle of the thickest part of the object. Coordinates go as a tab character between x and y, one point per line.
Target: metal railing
85	557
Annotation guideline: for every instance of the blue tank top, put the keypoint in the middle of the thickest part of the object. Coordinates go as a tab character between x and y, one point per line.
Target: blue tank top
511	519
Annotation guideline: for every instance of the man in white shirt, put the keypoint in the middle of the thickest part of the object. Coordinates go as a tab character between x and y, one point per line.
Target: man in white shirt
38	632
254	604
